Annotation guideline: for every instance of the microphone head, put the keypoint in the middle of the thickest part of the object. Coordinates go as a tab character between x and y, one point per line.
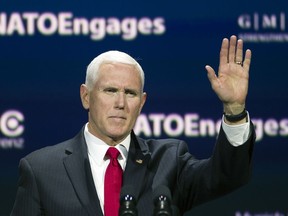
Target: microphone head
162	193
127	193
128	202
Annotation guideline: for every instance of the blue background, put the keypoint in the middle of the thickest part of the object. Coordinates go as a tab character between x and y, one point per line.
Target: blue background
41	75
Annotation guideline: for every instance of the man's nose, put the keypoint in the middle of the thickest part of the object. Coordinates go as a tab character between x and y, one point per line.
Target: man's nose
120	100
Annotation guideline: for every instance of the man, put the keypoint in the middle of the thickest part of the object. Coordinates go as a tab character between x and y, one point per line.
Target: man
69	178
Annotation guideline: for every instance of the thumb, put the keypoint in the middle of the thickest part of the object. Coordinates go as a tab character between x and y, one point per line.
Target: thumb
211	73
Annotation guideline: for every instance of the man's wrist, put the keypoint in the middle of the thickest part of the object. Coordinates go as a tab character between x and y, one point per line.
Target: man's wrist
236	117
239	118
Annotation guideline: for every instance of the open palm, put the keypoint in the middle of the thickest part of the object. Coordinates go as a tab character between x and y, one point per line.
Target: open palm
231	82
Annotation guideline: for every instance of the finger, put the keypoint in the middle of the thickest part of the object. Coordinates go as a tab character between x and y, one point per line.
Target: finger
211	74
232	49
247	60
239	51
224	51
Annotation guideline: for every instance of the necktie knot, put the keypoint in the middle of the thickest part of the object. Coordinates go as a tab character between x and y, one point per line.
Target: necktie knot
112	153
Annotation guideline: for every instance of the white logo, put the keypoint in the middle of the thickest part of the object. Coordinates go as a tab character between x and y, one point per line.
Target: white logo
264	27
66	24
263	22
193	125
11	126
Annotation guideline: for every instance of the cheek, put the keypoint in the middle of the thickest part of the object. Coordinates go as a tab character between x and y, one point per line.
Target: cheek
136	110
97	107
99	102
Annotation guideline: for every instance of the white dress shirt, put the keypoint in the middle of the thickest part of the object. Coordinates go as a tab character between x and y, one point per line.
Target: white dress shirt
96	152
236	134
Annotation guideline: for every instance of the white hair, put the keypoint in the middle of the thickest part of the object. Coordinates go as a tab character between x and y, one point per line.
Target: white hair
113	56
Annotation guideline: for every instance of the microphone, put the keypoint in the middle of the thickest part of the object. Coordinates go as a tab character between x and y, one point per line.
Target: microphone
162	201
127	202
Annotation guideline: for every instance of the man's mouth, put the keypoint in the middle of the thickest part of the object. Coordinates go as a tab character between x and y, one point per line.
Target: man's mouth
118	117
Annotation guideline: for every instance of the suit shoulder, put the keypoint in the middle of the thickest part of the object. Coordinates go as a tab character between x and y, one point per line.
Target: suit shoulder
49	152
167	143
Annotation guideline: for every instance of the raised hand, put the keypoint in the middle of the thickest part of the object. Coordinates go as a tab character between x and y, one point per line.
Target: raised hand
231	82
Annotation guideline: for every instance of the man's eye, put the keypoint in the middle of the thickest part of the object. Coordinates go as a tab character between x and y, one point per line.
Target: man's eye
110	90
113	91
130	93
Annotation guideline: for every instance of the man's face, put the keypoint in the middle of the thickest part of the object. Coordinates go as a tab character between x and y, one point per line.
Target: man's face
114	103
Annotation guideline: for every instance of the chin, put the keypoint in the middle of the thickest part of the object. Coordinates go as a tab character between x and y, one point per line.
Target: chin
118	135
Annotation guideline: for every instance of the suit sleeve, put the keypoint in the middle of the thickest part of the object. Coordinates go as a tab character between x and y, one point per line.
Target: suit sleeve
202	180
27	202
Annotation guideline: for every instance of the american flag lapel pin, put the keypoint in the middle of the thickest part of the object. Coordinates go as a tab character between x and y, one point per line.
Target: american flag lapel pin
139	161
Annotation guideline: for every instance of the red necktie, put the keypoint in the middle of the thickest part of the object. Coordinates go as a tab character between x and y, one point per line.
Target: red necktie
112	183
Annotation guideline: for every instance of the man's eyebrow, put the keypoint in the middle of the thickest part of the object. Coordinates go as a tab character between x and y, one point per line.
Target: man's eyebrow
126	89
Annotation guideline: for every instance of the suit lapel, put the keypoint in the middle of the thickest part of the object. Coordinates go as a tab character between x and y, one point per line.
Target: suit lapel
137	162
78	169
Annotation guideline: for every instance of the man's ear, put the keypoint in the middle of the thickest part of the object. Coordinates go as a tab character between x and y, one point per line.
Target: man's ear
84	94
143	100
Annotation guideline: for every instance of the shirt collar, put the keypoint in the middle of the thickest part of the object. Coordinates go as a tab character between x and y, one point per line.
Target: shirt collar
97	148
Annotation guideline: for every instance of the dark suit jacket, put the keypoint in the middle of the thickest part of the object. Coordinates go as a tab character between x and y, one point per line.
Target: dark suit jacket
57	180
